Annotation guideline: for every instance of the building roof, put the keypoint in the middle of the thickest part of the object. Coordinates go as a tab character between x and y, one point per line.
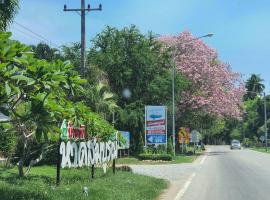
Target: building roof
3	117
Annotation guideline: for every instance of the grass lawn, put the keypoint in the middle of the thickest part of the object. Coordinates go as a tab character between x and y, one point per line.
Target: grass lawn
176	159
261	149
40	185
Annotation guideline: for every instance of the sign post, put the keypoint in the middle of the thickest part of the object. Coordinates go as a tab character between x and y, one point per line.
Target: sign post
262	138
125	143
195	138
155	125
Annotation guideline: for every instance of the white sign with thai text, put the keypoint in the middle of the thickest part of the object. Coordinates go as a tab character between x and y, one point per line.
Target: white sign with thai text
87	153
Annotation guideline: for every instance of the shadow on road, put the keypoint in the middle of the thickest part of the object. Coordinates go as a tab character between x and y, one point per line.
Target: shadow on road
217	153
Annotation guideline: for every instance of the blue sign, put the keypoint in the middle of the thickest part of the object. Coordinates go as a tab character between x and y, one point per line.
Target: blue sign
155	125
126	140
155	139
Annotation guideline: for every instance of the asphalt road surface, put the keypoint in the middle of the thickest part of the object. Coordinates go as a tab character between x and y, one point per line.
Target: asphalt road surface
226	174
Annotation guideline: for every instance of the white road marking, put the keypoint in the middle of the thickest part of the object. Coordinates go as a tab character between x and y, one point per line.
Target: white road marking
181	192
205	156
203	159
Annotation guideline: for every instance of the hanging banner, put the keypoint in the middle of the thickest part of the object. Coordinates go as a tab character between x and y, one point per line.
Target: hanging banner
155	125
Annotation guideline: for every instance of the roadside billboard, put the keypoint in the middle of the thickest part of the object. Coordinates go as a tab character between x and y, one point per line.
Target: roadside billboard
126	140
155	125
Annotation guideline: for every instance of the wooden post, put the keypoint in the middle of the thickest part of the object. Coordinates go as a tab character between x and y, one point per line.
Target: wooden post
58	163
113	166
93	171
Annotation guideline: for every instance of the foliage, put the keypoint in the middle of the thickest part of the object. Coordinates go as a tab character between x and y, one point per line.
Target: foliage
7	140
37	95
72	53
170	146
8	10
215	88
254	86
44	51
101	99
164	157
236	134
136	64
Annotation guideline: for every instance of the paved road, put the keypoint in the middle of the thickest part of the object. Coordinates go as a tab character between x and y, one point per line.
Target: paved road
229	175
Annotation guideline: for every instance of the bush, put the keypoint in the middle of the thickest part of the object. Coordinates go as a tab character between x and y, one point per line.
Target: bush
155	149
164	157
7	140
170	146
16	192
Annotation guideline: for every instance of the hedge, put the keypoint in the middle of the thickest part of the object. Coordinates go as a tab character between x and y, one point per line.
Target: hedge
164	157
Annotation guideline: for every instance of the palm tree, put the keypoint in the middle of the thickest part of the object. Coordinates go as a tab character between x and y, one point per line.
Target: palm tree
8	10
102	100
254	84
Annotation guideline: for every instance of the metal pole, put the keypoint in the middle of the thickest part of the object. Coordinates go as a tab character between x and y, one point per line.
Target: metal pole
173	107
82	37
145	131
265	121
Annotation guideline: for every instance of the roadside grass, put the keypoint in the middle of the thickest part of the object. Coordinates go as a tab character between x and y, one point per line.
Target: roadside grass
40	184
176	160
261	149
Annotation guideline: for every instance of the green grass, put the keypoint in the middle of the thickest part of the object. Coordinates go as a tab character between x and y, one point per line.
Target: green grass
261	149
177	159
40	184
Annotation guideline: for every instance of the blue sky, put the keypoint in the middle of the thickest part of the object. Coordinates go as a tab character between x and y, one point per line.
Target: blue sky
241	27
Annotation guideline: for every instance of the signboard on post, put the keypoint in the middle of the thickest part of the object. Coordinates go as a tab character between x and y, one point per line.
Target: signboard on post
262	138
126	140
155	125
195	136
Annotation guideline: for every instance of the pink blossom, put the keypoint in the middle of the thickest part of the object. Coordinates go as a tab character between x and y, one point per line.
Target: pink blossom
215	88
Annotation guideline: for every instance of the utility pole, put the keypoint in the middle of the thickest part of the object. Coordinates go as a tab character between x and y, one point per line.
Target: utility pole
82	10
265	120
173	107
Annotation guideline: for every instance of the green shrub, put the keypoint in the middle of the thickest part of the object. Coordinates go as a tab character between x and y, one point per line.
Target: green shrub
170	146
7	140
19	192
164	157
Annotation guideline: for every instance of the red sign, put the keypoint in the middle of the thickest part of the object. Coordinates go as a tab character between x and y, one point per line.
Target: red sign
75	132
156	123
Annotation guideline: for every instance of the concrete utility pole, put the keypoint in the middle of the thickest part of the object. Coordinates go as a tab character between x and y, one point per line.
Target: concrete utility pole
83	10
265	120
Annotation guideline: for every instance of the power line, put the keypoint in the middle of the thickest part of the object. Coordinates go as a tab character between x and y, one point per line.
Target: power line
27	34
42	38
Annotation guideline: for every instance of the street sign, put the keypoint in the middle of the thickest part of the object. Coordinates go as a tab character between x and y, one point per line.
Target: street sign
195	136
262	138
155	125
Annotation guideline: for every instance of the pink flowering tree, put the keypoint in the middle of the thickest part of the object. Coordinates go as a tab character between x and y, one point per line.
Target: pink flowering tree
215	89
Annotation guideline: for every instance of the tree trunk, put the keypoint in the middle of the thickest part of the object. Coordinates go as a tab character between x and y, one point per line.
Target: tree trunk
34	162
21	161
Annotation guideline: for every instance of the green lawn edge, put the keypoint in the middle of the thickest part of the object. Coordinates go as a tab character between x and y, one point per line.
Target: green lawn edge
176	160
40	184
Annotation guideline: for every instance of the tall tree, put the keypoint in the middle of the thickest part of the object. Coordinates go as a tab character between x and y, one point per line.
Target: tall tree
37	95
138	71
215	88
254	84
8	10
44	51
